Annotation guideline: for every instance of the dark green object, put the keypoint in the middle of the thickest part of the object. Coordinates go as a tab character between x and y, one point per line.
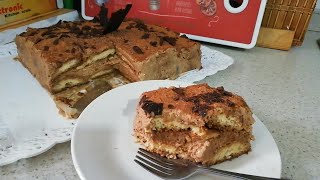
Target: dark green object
68	4
318	42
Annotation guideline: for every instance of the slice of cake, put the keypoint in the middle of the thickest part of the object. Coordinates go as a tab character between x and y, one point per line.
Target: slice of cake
150	52
198	123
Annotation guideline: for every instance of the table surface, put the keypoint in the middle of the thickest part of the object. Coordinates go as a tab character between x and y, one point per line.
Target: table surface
282	88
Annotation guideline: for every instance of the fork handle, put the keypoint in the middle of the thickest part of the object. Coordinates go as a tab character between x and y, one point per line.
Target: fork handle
233	174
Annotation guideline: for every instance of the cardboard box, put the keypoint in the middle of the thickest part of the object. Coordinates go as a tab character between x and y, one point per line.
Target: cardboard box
16	10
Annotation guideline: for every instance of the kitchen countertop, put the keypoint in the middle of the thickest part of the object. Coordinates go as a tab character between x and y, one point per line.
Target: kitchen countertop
282	88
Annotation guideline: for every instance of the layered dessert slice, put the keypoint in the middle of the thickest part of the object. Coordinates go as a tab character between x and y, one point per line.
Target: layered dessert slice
66	54
198	123
150	52
72	101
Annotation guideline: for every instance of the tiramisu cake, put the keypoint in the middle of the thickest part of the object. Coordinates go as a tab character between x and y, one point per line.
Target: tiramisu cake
198	123
68	56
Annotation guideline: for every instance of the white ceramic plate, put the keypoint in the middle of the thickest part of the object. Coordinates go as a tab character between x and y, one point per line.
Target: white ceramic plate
103	147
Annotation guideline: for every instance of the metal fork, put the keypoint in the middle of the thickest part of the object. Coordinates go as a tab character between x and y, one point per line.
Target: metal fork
181	169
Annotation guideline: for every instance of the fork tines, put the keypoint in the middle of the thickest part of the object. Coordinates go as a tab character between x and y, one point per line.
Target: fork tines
156	164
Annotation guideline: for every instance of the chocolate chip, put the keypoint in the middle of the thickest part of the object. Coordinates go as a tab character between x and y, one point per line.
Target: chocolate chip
220	89
145	36
230	103
170	106
153	43
137	50
201	109
126	40
151	107
73	50
226	93
141	26
171	40
184	36
46	48
179	91
60	55
56	41
67	51
23	34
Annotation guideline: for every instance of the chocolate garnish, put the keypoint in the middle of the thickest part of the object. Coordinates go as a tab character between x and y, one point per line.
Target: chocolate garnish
170	106
137	50
220	89
116	19
23	34
46	48
153	43
56	41
223	92
141	26
145	36
230	103
171	40
212	98
103	16
226	93
179	91
184	36
151	107
201	109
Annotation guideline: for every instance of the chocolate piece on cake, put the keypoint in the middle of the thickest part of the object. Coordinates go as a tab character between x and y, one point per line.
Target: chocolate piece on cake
198	123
